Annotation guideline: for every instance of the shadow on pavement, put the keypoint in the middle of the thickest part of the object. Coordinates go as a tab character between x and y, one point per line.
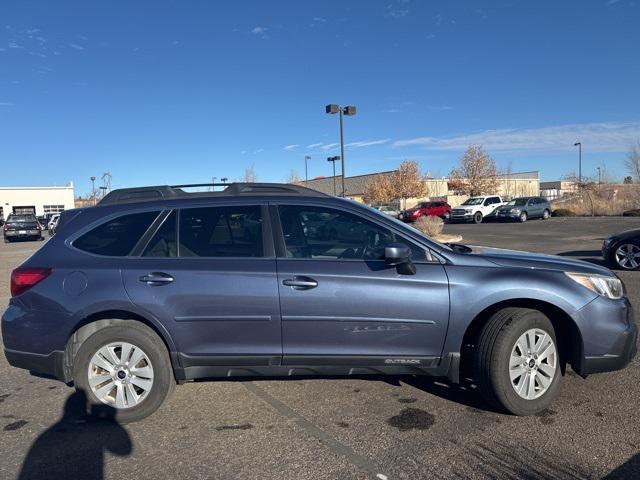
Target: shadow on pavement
74	447
629	469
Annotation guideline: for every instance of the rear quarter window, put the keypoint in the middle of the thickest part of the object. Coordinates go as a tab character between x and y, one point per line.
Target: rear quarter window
116	237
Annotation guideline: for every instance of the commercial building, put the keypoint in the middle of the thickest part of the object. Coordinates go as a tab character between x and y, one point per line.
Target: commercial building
520	184
35	200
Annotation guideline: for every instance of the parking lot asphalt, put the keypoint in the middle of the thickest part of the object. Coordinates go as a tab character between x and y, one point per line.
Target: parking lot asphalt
339	428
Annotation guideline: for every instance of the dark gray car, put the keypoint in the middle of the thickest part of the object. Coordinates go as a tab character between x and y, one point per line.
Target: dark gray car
156	286
524	208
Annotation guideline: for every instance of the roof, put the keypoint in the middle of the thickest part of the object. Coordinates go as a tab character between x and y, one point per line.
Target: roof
170	192
354	186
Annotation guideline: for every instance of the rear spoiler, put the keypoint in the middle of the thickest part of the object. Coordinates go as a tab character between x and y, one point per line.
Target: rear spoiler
67	215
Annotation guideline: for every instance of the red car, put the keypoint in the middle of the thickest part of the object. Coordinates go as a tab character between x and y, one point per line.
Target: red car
430	209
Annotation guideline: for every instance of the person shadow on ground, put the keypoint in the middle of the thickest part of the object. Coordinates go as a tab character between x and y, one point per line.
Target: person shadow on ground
75	446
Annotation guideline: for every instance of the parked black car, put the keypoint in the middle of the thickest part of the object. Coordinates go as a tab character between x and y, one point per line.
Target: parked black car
524	208
22	227
622	250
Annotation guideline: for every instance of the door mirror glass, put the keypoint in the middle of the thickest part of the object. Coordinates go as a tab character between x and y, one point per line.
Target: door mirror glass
397	253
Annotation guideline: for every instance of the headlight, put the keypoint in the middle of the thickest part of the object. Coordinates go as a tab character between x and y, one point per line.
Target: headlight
610	287
468	210
514	210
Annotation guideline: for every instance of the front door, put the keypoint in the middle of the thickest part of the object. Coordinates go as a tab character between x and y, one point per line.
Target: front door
340	302
215	289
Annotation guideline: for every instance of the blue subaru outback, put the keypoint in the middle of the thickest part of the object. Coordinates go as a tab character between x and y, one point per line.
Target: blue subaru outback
157	285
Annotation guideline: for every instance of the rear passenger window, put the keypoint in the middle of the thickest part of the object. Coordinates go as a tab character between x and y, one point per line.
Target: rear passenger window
163	243
117	237
221	232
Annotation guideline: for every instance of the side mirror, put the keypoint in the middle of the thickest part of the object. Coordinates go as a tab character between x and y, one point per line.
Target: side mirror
399	255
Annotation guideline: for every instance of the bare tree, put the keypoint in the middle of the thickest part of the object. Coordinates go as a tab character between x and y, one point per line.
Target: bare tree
407	182
378	190
250	175
293	177
476	174
632	162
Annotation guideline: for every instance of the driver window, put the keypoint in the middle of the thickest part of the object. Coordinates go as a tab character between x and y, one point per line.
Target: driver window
487	202
325	233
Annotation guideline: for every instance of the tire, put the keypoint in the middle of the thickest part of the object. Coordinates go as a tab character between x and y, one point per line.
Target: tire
477	217
6	240
523	217
141	337
620	258
546	214
447	217
493	354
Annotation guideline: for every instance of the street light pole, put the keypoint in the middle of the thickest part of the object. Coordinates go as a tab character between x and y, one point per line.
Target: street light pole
349	110
579	145
224	179
334	160
306	174
213	180
93	189
599	176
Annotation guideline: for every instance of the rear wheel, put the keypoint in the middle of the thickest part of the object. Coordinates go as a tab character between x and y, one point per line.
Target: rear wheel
477	218
546	214
125	367
517	364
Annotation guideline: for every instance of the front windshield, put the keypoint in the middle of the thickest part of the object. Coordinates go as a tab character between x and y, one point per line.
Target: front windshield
473	201
518	202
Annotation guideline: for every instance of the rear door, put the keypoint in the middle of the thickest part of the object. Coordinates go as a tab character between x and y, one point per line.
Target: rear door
210	274
340	302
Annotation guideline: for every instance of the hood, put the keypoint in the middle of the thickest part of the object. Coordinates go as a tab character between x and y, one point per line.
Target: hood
540	261
635	233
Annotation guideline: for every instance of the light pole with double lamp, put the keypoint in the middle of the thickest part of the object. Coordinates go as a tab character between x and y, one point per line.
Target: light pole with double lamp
349	111
579	145
93	189
334	160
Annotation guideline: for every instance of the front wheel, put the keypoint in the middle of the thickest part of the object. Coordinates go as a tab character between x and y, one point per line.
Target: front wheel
627	256
477	218
447	217
517	363
126	367
523	217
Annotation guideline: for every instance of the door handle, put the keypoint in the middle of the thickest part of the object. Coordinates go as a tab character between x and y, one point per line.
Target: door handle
300	283
156	278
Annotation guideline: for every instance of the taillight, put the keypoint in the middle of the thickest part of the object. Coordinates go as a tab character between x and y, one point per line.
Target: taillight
23	278
5	227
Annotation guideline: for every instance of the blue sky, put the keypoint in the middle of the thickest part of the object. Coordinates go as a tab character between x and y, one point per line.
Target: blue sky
173	92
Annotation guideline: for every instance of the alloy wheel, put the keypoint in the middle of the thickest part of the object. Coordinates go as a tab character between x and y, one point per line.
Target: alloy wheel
120	375
628	256
533	364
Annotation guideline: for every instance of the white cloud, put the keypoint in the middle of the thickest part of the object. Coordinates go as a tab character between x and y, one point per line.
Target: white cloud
259	30
366	143
391	110
439	108
596	137
291	147
314	145
14	45
76	46
6	104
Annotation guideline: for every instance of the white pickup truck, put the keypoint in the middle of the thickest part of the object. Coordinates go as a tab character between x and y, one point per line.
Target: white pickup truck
475	209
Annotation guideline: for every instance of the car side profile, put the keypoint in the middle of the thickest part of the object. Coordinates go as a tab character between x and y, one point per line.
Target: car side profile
524	208
428	209
155	287
476	209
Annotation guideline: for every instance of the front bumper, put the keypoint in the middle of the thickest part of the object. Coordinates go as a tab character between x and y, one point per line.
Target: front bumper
507	215
609	334
461	217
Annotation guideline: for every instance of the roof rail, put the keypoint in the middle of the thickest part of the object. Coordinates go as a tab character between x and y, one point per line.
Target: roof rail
164	192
